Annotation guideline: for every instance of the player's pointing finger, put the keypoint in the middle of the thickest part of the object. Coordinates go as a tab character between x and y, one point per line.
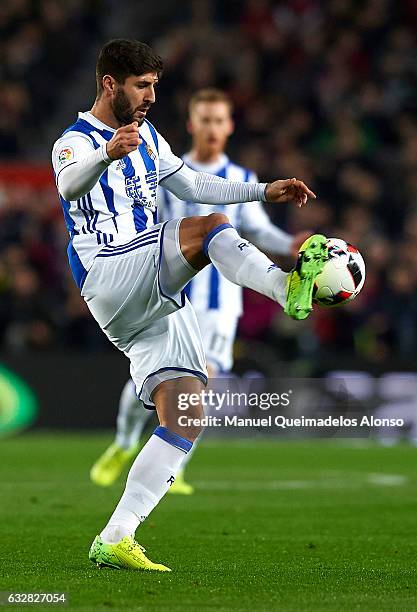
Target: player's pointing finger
306	190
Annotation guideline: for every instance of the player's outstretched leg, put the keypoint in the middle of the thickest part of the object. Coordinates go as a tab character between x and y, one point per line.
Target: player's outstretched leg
150	477
243	264
131	420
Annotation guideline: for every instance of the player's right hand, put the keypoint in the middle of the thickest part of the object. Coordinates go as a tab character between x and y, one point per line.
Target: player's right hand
125	140
288	190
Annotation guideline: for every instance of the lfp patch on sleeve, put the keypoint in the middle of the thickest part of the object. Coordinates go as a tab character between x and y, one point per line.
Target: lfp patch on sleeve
65	155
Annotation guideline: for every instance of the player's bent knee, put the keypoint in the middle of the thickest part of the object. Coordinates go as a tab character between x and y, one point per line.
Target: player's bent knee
189	427
186	423
214	220
192	431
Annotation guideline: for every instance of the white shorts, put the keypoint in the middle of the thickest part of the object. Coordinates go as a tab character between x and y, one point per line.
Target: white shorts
135	293
218	330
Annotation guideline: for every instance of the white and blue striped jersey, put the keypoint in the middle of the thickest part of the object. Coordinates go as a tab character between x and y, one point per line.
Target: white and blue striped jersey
123	202
209	290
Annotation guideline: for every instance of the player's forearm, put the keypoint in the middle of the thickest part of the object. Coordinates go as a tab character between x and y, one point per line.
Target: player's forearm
271	239
204	188
77	179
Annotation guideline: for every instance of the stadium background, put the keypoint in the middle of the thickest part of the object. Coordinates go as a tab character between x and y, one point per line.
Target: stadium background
325	91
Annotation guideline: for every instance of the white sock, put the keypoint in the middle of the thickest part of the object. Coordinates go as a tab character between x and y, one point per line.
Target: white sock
190	454
243	264
150	477
131	418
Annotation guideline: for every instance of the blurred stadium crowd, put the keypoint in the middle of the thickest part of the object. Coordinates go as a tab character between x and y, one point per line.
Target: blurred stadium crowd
326	91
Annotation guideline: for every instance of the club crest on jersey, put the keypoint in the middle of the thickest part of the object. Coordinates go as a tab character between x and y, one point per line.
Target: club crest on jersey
65	155
150	152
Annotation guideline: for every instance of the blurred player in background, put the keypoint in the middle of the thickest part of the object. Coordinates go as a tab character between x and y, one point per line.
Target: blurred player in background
132	271
217	301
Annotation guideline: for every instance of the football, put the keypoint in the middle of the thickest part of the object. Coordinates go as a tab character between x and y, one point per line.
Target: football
343	275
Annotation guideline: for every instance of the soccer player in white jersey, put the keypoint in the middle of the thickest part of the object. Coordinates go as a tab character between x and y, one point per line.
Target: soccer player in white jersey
132	271
217	301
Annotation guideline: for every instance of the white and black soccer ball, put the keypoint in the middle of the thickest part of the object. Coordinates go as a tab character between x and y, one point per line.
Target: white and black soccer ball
342	277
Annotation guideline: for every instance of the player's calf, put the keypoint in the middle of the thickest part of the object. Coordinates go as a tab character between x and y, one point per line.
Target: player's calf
179	407
242	263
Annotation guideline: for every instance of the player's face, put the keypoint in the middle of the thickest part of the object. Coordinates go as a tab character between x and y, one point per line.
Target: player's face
132	100
210	125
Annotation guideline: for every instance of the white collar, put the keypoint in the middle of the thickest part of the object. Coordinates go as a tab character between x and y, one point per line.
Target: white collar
87	116
211	168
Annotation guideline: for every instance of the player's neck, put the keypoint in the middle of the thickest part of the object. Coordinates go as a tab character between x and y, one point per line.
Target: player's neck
104	114
205	157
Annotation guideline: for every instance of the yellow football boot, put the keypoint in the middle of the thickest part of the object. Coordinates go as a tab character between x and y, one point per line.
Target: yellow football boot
126	554
312	256
109	466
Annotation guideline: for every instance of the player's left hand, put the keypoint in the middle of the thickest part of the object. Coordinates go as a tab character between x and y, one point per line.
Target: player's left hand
297	241
288	190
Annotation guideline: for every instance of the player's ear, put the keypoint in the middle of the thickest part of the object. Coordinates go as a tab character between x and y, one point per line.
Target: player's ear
109	83
231	127
189	126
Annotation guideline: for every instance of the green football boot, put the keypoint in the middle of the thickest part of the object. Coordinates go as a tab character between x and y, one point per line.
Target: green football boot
126	554
312	256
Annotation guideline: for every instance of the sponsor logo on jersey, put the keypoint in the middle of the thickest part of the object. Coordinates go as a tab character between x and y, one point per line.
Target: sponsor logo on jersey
65	155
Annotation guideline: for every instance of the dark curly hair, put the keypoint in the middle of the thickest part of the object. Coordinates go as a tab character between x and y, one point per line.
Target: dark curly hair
121	57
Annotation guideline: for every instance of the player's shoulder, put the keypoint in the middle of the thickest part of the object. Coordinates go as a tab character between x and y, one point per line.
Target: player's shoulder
88	127
68	147
81	126
80	130
74	140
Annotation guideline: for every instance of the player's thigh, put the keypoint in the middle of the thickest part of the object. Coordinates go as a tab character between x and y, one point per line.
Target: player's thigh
131	286
182	253
168	348
174	271
179	406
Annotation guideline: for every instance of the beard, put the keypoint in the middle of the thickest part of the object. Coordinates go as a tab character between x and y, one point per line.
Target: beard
123	110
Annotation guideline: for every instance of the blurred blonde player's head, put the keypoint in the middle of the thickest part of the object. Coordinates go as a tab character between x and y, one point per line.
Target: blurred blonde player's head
210	122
